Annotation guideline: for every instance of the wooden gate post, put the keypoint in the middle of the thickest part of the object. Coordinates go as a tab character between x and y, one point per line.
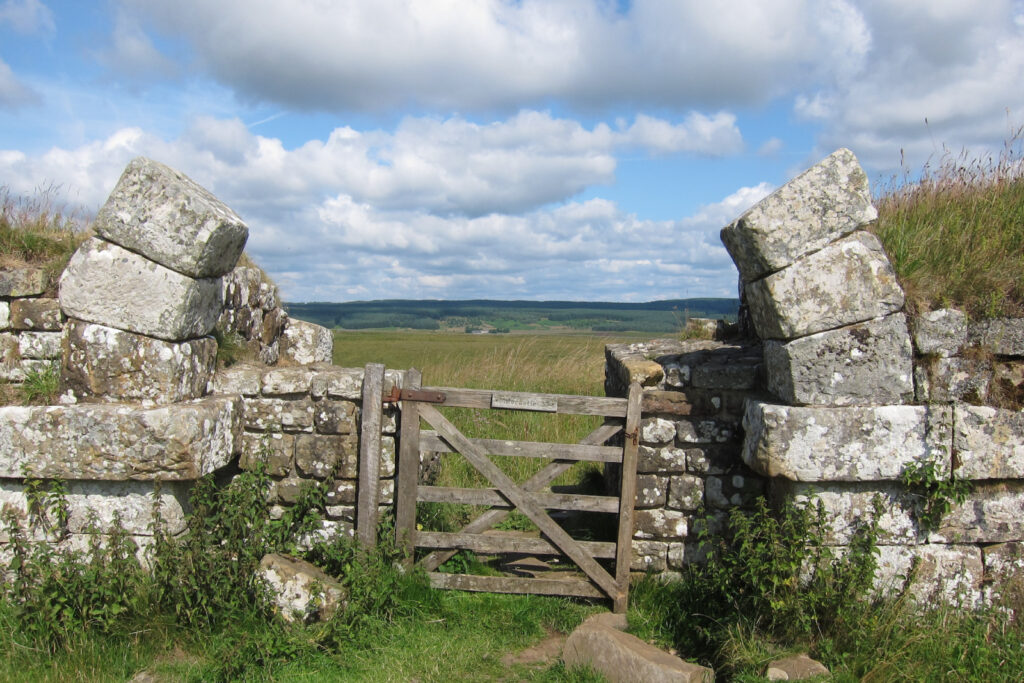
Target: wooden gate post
627	497
408	470
369	455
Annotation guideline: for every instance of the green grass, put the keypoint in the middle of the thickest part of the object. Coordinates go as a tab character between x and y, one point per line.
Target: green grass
35	233
956	236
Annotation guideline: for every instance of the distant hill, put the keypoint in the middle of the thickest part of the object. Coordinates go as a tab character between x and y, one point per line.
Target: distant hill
504	316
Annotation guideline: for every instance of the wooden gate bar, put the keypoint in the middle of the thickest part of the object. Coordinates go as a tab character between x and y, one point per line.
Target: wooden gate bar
430	441
627	498
496	544
567	405
522	500
493	498
513	584
369	455
408	469
538	481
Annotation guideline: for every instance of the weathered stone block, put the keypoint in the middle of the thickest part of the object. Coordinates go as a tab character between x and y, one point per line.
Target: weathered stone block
112	365
651	490
954	379
162	214
845	444
947	573
317	454
743	373
40	314
713	459
300	591
306	343
863	364
106	284
849	506
347	383
1007	387
1002	336
241	287
993	513
988	442
1004	570
664	459
660	523
690	430
238	379
686	492
847	282
22	281
5	316
284	381
15	370
183	441
942	333
823	203
274	414
655	430
92	505
274	450
40	345
795	668
623	657
649	556
337	417
735	490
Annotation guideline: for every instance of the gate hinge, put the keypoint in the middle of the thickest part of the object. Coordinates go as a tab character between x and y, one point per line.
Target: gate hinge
419	395
633	436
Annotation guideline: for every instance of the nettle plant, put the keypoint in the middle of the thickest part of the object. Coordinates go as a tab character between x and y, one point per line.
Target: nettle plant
933	493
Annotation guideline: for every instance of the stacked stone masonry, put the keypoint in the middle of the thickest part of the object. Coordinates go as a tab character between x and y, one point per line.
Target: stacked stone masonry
301	424
30	325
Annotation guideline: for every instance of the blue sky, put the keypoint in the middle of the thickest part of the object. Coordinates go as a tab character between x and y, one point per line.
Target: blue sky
530	149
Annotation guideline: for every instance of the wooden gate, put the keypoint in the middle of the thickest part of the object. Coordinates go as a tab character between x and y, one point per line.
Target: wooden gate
530	498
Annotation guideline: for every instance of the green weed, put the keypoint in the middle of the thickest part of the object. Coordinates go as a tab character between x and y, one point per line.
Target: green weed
40	386
933	494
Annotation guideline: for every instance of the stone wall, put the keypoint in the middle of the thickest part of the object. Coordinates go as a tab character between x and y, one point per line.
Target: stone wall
837	395
30	324
301	424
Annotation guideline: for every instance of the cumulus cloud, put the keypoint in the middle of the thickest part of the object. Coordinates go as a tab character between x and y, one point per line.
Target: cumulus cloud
867	72
472	54
27	16
936	73
330	220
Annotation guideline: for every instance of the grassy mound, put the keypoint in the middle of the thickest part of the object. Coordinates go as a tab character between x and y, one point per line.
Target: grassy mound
956	236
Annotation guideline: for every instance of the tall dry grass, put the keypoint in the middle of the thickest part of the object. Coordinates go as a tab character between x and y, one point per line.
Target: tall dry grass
35	231
956	235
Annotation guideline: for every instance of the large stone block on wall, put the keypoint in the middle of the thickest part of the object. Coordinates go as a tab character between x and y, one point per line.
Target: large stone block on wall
989	442
870	443
39	345
864	364
167	217
992	513
113	365
305	343
849	506
182	441
92	505
106	284
940	379
5	315
823	203
847	282
948	573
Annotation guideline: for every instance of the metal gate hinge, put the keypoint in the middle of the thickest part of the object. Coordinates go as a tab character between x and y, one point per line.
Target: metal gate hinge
418	395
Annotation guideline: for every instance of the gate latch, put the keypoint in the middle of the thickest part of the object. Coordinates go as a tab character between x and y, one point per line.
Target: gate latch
419	395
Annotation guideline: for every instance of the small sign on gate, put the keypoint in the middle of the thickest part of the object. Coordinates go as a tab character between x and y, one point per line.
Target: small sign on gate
543	404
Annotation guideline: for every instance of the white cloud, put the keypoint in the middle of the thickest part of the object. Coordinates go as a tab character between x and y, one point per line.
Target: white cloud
27	16
312	229
473	54
13	92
